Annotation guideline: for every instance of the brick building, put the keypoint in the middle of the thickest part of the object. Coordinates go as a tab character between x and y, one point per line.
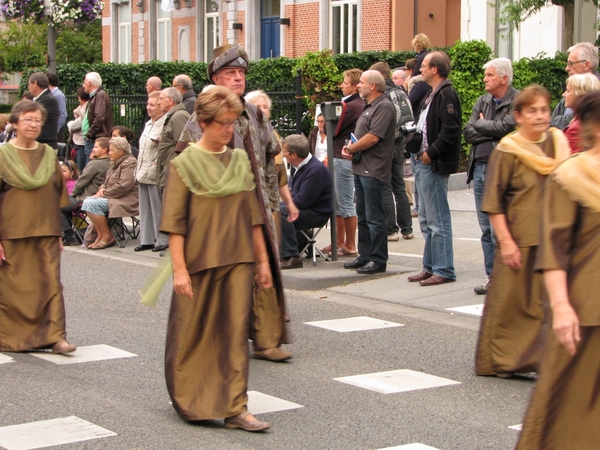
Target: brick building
188	30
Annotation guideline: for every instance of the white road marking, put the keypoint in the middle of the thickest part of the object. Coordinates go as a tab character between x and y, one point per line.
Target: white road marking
259	403
396	381
85	354
360	323
475	310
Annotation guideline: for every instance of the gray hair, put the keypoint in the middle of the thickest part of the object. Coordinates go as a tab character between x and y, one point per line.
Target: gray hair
252	96
503	68
40	78
375	77
94	78
298	144
587	52
174	94
184	81
121	143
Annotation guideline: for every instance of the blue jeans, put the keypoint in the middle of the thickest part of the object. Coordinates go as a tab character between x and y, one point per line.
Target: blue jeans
306	220
398	216
80	156
344	188
88	147
372	235
487	235
435	221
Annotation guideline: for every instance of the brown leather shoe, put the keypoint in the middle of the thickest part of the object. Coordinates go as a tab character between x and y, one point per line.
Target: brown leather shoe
273	354
63	347
291	263
434	280
422	276
241	421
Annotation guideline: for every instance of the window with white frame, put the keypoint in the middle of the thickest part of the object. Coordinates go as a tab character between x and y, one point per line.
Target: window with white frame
211	29
344	26
503	35
124	33
163	34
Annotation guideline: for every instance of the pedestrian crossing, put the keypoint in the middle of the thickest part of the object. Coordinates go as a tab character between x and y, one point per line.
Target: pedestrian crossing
72	429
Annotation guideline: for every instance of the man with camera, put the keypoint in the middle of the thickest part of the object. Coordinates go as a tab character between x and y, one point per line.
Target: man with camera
440	127
372	156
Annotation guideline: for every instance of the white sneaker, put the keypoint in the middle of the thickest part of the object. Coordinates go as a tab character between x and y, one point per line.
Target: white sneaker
393	237
408	236
482	288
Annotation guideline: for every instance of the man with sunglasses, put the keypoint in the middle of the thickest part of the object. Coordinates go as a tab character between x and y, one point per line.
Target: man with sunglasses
583	58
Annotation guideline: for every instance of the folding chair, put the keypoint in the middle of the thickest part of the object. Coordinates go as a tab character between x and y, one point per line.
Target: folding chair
78	220
311	238
122	232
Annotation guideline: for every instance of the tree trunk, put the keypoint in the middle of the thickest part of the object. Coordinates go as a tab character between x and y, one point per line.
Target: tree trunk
569	22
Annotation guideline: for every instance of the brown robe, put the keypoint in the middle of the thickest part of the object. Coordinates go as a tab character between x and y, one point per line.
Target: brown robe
206	355
254	133
32	310
510	335
564	411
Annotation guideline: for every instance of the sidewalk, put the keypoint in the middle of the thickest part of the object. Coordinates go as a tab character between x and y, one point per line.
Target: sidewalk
391	286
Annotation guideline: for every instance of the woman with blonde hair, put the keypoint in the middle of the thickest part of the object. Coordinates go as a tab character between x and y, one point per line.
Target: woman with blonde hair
209	198
510	333
577	85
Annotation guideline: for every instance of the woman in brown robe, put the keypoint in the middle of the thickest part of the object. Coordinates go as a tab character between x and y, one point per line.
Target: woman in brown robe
32	191
212	215
564	411
510	332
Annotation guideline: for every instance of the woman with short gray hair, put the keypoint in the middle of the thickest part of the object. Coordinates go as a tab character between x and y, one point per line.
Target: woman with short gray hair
117	196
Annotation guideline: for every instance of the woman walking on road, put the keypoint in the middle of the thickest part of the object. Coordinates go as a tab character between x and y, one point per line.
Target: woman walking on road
212	215
32	191
510	333
564	411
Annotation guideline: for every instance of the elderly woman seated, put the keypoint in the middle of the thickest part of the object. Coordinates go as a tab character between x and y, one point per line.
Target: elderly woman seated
117	196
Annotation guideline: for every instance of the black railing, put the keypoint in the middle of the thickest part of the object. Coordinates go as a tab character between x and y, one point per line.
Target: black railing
129	104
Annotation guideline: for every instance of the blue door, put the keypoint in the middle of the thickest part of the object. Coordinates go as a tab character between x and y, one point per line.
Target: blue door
269	37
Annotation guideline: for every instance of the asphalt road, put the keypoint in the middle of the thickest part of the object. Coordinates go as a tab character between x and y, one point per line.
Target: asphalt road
128	395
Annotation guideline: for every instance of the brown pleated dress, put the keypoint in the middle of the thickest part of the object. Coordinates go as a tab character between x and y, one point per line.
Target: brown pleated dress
206	355
32	309
510	335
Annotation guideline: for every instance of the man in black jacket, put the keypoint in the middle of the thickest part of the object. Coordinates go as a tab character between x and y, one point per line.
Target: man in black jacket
491	120
39	87
440	124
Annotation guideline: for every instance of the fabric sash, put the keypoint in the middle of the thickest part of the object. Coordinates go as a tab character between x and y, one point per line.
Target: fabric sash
205	174
14	171
530	154
579	176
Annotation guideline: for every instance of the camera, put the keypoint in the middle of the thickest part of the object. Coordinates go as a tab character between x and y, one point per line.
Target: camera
408	128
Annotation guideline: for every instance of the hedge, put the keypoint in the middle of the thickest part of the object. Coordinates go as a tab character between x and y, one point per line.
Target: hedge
322	73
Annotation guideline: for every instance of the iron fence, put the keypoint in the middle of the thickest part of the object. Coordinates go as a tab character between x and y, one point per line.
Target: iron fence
129	105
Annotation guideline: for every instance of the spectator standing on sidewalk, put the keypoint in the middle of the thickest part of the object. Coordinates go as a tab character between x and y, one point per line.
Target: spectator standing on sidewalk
345	210
147	177
490	121
440	127
62	105
372	156
98	122
395	200
184	85
583	58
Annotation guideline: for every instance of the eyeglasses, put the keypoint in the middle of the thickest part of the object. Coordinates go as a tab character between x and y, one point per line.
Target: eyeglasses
570	63
225	123
30	121
320	121
176	85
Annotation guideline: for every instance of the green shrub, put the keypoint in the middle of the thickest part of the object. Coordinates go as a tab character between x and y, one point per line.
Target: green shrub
5	109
